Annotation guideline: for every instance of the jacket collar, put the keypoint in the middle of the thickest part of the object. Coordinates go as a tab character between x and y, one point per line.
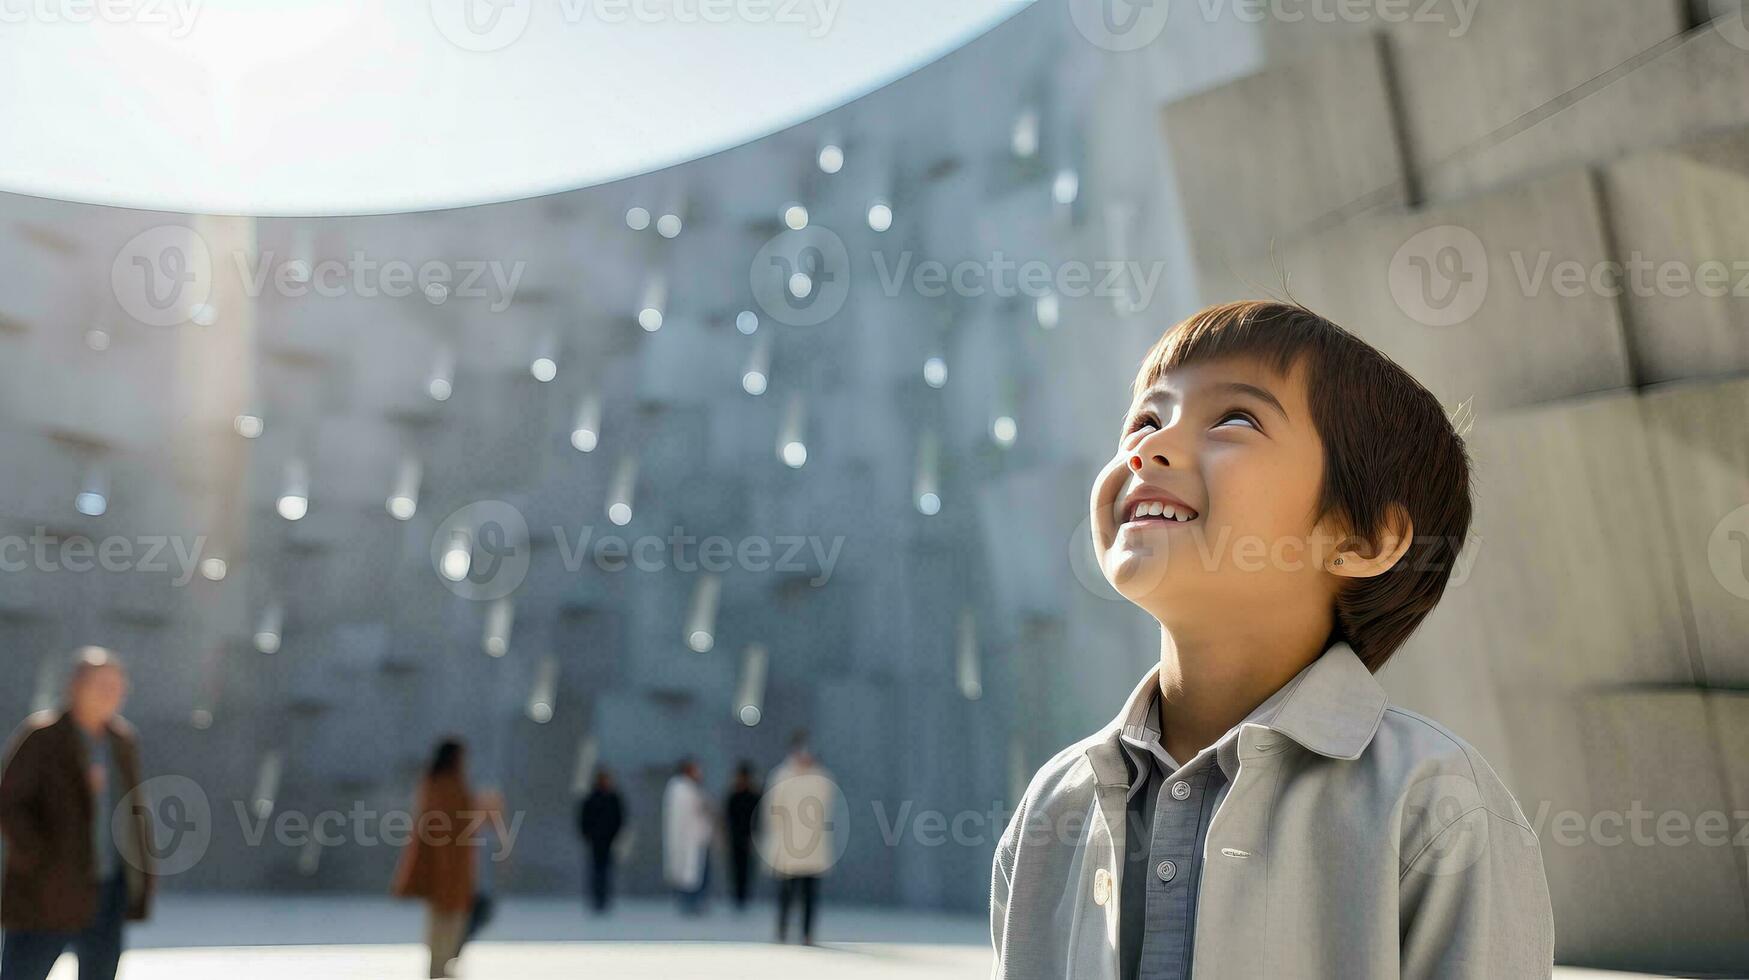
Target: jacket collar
1333	707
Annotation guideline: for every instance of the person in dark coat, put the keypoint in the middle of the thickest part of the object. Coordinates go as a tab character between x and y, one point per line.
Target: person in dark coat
743	814
75	868
600	817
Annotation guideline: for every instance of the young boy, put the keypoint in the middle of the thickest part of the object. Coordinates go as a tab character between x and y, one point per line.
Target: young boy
1288	503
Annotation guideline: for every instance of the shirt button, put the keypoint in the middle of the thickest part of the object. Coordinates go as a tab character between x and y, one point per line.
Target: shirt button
1167	870
1101	887
1180	790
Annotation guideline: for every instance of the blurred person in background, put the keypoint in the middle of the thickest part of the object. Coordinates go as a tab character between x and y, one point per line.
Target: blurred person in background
742	812
491	802
687	828
73	874
600	817
438	863
797	815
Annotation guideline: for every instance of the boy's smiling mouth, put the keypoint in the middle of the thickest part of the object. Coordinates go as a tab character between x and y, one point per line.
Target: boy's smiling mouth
1145	505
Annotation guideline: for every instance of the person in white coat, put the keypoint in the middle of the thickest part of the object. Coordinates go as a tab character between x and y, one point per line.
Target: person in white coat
797	816
687	825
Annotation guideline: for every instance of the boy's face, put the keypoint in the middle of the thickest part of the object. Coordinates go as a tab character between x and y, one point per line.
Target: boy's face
1208	506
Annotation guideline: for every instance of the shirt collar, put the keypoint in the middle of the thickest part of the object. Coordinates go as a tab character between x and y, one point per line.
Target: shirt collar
1333	707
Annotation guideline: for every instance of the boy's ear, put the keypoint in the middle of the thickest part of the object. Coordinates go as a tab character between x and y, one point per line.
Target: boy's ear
1361	558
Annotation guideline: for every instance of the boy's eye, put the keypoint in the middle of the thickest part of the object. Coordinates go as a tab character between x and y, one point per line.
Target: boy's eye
1140	422
1242	416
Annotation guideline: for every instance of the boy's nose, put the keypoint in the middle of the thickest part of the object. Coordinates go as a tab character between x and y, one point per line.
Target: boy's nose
1136	462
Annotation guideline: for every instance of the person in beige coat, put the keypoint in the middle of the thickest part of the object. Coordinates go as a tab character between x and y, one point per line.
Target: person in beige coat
798	818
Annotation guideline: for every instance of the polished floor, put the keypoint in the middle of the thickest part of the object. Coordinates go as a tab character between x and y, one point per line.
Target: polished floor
256	938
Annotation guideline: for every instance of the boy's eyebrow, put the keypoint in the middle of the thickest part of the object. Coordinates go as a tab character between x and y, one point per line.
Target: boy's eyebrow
1236	387
1261	394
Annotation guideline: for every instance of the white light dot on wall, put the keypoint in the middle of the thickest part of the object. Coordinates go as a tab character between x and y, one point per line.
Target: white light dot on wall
540	712
458	557
90	503
1066	187
650	319
1004	429
268	630
402	508
500	619
248	426
701	619
831	158
929	503
668	226
800	285
441	384
935	372
1048	309
97	340
795	217
584	440
436	292
201	719
214	569
880	216
637	219
544	369
203	314
795	455
622	490
747	322
1024	139
294	500
750	691
753	383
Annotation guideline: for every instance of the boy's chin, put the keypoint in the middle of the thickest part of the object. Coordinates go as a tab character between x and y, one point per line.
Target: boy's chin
1138	576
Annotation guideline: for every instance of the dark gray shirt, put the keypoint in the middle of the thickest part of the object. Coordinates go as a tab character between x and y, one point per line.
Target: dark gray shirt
1169	811
97	755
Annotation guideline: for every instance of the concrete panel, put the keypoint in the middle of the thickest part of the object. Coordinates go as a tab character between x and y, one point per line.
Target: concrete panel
1445	673
1699	438
1511	59
1677	92
1573	574
1269	156
1676	219
1677	899
1450	291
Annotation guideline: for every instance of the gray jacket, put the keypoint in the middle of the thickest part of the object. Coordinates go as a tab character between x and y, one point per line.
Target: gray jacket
1358	841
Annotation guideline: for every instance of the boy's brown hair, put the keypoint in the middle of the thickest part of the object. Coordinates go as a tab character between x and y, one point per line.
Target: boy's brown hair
1386	438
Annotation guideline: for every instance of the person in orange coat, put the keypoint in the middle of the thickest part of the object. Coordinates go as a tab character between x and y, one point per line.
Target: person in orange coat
438	863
